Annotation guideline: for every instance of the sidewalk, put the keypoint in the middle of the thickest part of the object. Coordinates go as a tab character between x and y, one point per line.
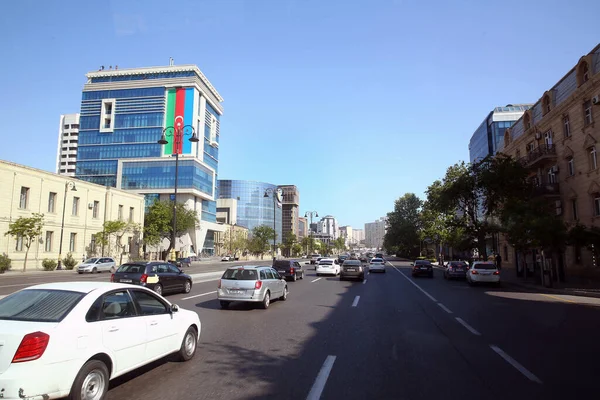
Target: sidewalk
571	287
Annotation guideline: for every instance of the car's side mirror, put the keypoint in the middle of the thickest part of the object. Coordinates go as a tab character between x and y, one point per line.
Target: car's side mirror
174	308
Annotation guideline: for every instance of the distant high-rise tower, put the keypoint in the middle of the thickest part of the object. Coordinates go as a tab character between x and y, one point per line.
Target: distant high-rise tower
68	137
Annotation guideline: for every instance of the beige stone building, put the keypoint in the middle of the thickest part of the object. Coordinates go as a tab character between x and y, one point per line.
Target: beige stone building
222	241
557	139
28	190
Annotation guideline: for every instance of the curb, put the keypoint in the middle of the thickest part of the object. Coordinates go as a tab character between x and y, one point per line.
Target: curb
534	288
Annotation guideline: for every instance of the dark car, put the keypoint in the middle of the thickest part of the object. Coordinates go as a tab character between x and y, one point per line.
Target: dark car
456	269
289	269
352	269
422	267
162	277
342	258
379	255
185	262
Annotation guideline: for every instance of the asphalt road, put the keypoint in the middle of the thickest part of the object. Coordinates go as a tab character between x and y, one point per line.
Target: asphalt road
390	337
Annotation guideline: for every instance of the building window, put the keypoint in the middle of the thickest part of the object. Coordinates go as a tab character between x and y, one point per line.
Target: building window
548	139
587	113
107	116
120	213
593	158
75	211
530	147
72	242
584	72
518	154
131	211
574	209
24	200
526	121
93	243
95	209
597	204
551	175
546	104
19	243
571	166
566	126
506	252
48	242
51	202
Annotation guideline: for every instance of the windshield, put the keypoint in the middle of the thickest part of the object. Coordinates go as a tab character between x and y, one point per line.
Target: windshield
485	266
90	261
240	274
325	262
422	262
132	268
39	305
376	260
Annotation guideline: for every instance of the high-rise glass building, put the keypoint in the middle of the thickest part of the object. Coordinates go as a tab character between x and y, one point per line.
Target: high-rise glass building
489	136
123	114
253	208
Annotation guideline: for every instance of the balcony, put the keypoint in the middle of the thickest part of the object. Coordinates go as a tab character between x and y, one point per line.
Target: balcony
540	154
546	189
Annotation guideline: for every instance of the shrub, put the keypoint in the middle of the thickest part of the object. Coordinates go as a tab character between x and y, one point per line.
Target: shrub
49	264
4	263
69	262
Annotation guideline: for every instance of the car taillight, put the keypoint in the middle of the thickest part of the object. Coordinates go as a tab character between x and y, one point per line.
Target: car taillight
143	278
112	277
496	272
32	347
258	285
474	272
449	268
219	285
292	270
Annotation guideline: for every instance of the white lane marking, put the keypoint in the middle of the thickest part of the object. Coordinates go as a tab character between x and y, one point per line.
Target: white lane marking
314	280
355	302
365	281
417	286
319	385
468	327
443	307
516	364
198	295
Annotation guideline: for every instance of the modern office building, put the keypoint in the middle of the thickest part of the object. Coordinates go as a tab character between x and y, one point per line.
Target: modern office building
66	152
488	137
73	209
557	140
253	208
123	115
346	233
358	236
291	203
374	233
302	228
328	225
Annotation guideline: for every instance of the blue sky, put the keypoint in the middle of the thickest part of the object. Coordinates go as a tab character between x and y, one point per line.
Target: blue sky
355	102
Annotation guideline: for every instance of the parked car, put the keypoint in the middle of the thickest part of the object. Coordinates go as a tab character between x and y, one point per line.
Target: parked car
185	262
289	269
227	258
377	264
251	284
72	338
456	269
483	272
352	269
97	264
159	276
328	266
314	258
422	267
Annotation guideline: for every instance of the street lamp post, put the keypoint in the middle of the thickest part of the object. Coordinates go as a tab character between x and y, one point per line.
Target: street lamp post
272	193
311	214
68	184
177	132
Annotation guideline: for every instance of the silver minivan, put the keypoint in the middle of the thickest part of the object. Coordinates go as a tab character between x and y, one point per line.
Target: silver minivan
254	284
97	264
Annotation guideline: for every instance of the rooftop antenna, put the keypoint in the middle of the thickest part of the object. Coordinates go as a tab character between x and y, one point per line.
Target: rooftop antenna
171	61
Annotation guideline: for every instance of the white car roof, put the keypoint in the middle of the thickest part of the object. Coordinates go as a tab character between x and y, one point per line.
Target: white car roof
327	259
249	266
81	286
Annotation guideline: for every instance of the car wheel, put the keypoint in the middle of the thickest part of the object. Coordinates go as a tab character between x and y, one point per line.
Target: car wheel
94	270
294	278
79	272
91	382
224	304
187	287
188	345
158	289
266	301
285	294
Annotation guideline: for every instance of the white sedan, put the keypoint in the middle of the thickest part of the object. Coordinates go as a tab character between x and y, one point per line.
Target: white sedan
91	332
377	264
483	272
328	266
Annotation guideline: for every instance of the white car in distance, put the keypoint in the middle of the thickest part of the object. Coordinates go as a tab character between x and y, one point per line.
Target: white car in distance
97	264
91	332
328	266
377	264
483	272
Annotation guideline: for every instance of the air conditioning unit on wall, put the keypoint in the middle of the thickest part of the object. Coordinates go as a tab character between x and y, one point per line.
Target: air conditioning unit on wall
90	205
596	100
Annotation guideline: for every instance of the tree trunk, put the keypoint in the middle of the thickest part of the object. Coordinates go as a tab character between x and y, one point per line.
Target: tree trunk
25	261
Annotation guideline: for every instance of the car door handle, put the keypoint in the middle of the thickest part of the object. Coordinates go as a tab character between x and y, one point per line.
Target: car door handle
153	323
113	329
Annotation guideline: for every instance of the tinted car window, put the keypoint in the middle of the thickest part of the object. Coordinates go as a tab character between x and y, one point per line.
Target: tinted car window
457	264
163	268
93	313
325	262
485	266
240	274
173	269
149	304
376	260
131	268
281	264
90	261
40	305
422	262
117	305
263	274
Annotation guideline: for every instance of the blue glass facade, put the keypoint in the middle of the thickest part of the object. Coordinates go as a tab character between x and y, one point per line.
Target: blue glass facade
253	209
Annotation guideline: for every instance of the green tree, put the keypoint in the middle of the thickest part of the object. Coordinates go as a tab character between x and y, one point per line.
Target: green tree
307	243
26	229
262	236
404	225
436	226
113	232
289	240
158	222
296	250
339	244
235	242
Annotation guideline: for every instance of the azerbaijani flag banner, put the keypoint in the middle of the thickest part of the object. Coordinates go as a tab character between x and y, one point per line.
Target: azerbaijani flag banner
180	112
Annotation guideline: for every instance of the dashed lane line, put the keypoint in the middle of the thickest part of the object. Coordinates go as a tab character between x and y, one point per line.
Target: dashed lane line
355	302
321	380
468	327
314	280
443	307
417	286
199	295
516	364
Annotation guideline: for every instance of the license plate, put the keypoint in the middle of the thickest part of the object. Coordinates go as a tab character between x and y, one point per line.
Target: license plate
236	291
459	270
125	281
350	270
423	267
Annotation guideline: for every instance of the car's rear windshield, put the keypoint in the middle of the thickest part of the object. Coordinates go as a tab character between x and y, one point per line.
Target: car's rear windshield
485	266
39	305
281	264
183	259
240	274
325	262
132	268
376	260
351	262
457	264
90	261
422	262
